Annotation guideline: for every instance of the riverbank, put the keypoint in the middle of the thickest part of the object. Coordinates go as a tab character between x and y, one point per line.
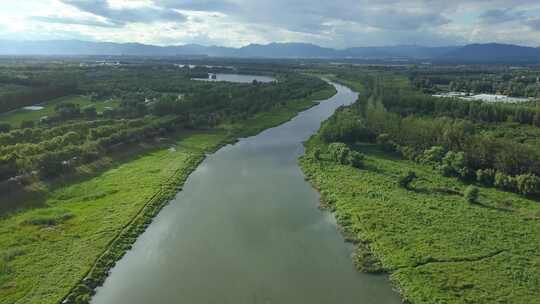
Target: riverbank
436	247
92	223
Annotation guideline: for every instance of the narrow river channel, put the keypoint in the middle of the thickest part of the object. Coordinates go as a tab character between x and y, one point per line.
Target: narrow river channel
246	229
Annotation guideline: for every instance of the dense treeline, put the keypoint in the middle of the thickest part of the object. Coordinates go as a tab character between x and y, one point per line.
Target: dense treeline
214	103
154	100
440	132
408	102
39	87
32	96
518	83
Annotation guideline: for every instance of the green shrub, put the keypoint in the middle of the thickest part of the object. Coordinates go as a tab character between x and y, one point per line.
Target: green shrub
408	152
505	182
339	153
355	159
316	154
485	177
89	111
27	124
433	155
385	142
48	217
406	178
4	127
528	184
471	194
454	164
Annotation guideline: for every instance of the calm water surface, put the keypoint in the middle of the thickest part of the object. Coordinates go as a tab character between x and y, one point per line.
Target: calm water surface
246	229
238	78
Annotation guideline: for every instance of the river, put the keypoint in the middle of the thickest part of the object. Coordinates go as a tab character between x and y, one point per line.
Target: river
246	228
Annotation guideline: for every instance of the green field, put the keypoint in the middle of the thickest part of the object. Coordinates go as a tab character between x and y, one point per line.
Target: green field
45	251
16	117
437	247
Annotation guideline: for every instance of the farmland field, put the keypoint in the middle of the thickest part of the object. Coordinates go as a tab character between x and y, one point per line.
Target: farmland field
16	117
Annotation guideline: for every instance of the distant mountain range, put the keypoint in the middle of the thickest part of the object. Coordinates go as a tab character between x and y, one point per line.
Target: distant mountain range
480	53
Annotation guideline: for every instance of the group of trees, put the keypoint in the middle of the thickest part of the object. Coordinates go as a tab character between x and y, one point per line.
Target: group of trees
443	133
34	89
343	155
408	102
214	103
56	151
153	100
518	84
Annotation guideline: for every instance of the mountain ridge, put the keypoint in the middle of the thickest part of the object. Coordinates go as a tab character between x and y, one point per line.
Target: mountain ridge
488	52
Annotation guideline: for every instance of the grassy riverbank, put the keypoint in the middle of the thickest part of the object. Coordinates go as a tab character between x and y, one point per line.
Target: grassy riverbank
82	228
437	247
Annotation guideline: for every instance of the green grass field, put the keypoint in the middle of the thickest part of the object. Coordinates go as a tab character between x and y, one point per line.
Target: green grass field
437	247
16	117
46	251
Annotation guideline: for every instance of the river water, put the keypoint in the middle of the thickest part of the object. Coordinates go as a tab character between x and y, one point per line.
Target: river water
246	229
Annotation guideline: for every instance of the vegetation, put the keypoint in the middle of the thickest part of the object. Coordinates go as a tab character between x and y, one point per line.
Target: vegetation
457	137
435	246
486	80
440	241
80	186
405	179
75	222
471	194
80	130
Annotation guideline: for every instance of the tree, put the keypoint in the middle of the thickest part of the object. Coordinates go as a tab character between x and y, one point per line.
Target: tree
505	182
485	177
4	127
355	159
345	126
406	178
67	110
27	124
384	140
316	154
471	194
339	153
433	155
528	184
453	164
89	112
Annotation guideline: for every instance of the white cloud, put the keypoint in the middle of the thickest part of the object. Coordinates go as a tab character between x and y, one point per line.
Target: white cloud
338	23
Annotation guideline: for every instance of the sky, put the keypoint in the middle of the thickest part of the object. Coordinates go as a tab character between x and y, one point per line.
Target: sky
236	23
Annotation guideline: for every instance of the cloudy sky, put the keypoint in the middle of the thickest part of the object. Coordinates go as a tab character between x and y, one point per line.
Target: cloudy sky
331	23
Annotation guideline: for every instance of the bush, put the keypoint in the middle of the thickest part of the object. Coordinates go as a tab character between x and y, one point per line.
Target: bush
339	152
485	177
505	182
4	127
528	184
355	159
386	143
89	112
48	217
454	164
27	124
345	126
406	179
471	194
433	155
408	152
316	154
